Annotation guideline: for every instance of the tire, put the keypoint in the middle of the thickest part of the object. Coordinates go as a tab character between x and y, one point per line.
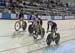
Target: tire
24	26
57	39
30	29
17	26
43	33
49	39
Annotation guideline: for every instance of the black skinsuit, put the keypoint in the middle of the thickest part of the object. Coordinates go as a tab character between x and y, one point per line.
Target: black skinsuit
53	26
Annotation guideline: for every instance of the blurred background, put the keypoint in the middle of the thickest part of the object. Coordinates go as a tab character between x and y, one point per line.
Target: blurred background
41	7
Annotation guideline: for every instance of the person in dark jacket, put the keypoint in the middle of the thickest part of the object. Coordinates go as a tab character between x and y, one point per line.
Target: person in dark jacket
21	15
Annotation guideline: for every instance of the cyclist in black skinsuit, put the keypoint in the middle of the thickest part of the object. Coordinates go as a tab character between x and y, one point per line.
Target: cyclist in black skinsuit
21	15
39	20
53	26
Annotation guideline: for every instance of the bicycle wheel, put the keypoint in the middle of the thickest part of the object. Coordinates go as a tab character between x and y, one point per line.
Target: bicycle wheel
57	38
49	39
17	25
30	29
24	26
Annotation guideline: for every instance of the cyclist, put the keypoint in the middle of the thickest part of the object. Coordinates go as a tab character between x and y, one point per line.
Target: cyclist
53	26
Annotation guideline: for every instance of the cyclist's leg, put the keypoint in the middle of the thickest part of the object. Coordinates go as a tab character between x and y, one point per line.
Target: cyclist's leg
38	28
55	29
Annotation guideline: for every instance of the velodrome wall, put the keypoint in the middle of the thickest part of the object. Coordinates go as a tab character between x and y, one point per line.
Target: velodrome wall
11	16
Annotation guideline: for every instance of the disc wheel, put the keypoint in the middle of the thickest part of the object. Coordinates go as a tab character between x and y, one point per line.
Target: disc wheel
17	26
49	39
30	29
57	38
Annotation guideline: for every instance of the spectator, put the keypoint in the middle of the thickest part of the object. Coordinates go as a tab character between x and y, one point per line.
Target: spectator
13	9
20	4
67	5
7	3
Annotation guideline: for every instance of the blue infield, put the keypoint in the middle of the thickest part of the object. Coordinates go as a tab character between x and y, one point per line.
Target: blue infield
67	47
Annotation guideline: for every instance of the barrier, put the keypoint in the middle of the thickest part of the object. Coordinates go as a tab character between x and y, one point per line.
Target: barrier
6	15
69	17
11	16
